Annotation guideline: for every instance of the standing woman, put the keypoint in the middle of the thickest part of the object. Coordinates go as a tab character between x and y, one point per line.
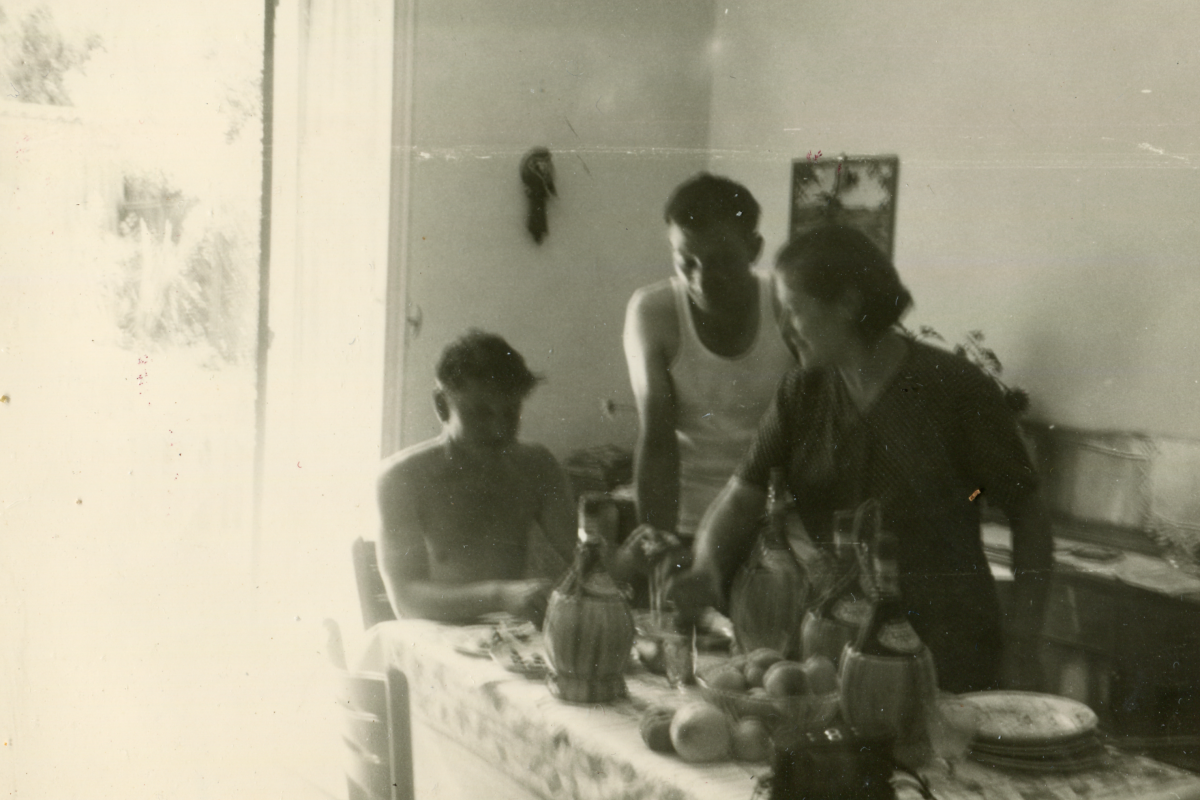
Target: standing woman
870	413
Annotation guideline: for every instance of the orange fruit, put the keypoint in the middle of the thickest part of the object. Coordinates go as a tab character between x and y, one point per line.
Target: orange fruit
820	673
700	732
751	741
754	675
764	657
728	679
785	679
656	729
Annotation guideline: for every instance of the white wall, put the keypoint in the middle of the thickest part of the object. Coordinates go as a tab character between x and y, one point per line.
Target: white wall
1049	186
619	93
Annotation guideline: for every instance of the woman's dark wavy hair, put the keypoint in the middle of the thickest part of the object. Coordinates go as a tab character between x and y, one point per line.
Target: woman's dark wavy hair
488	359
833	259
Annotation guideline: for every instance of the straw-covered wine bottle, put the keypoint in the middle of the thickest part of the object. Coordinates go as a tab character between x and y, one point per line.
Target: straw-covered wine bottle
888	677
766	602
841	614
589	626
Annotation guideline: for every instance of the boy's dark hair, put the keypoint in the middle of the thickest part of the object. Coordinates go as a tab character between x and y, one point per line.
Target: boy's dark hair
486	358
705	200
830	260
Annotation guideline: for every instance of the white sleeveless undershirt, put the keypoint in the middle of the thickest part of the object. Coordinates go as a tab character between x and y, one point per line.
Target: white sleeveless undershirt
719	401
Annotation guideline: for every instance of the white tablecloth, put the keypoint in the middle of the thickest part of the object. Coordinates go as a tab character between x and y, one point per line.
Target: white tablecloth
555	750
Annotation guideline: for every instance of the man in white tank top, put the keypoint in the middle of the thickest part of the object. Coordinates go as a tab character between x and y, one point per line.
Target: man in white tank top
705	354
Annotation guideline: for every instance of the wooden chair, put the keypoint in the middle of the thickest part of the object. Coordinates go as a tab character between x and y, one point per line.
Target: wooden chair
376	728
372	596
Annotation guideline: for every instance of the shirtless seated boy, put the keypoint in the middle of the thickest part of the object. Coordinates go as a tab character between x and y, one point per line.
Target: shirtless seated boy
465	512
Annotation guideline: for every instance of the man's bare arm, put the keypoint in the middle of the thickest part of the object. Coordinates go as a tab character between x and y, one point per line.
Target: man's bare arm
467	602
656	454
723	542
403	564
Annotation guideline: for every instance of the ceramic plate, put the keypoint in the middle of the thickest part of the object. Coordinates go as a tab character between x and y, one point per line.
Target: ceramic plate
472	640
1095	552
1029	717
1089	760
1064	748
1040	766
478	640
1069	749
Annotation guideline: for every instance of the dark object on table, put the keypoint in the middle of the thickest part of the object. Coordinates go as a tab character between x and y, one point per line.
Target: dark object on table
521	660
372	596
376	730
608	468
537	173
601	468
833	764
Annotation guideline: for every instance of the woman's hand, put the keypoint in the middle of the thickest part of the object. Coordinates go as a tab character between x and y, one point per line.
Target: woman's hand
695	591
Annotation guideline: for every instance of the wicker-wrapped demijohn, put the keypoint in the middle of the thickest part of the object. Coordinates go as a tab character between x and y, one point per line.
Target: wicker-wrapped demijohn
838	616
588	630
766	601
888	678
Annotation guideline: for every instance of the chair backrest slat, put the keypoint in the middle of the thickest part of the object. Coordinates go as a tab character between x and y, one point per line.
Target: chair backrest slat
400	727
376	734
372	595
361	691
366	778
368	733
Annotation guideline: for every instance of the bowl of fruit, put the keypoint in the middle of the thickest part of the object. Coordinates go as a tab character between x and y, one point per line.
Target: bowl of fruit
764	684
699	731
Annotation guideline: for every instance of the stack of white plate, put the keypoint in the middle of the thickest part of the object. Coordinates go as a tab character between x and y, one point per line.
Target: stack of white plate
1034	732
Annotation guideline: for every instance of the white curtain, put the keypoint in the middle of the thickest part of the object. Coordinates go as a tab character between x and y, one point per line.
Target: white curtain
328	301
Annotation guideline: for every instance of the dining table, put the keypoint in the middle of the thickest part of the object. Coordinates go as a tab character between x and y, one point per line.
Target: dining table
507	726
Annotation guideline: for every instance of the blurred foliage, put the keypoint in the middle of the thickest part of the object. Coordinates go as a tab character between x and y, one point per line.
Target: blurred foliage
974	349
182	269
242	106
188	276
35	57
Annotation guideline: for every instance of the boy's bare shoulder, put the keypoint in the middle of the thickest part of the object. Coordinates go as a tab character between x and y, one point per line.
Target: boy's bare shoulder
419	459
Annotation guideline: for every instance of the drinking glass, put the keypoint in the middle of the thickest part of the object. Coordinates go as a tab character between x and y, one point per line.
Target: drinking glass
678	645
668	559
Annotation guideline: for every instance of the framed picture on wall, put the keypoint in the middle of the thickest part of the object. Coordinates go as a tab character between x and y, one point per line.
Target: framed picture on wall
851	190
